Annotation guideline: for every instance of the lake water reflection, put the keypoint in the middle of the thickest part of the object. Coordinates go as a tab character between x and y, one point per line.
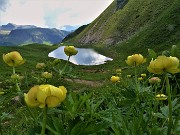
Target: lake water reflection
83	57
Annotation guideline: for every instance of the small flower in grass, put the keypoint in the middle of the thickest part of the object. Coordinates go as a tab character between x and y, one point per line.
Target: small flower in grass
16	77
40	65
140	79
45	95
115	79
164	64
154	80
46	75
161	97
129	76
13	59
70	50
143	75
135	60
118	71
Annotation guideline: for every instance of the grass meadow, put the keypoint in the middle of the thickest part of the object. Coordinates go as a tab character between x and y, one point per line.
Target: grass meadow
130	104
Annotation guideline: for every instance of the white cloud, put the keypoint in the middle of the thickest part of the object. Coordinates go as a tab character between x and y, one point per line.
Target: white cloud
53	13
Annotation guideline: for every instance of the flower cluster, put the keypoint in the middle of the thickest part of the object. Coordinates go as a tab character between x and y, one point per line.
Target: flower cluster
45	95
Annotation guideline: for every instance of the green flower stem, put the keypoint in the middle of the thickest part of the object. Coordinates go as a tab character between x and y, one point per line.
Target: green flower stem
65	66
16	83
170	123
1	133
44	121
136	80
14	71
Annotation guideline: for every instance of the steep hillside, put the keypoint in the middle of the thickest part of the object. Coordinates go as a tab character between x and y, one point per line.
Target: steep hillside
33	35
139	23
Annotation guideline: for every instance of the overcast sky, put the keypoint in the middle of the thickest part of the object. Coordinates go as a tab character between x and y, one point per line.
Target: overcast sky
51	13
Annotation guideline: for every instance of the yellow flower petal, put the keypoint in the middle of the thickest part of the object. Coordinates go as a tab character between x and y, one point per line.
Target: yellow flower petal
52	101
31	97
64	90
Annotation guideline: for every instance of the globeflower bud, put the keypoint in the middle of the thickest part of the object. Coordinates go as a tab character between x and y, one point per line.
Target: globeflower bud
40	65
118	71
135	60
143	75
70	50
13	59
129	76
154	80
140	79
114	79
46	75
1	93
16	77
161	97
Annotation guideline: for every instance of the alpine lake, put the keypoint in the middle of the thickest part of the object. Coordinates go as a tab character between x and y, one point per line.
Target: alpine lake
85	56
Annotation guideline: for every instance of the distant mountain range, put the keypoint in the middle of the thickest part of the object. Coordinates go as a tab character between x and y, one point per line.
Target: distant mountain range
69	28
13	35
11	26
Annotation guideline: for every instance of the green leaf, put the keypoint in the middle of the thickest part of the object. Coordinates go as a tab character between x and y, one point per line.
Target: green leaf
174	51
152	54
159	115
57	122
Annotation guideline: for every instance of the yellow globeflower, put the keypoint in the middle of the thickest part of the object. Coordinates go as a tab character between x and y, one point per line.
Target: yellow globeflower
31	97
161	97
13	59
135	60
164	64
46	75
70	50
114	79
50	96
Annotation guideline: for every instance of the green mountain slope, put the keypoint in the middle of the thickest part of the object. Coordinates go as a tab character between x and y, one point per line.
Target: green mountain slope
148	23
